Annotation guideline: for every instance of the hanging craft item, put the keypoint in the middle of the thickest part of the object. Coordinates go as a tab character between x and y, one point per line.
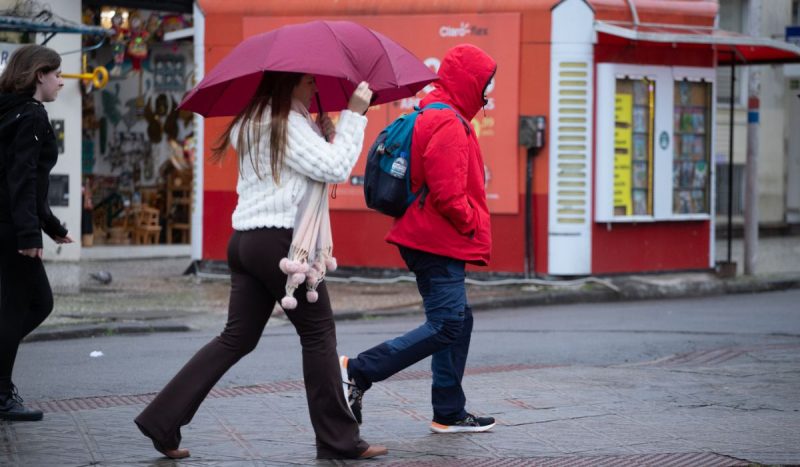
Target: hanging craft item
137	43
153	123
171	122
119	41
189	148
176	156
154	29
111	105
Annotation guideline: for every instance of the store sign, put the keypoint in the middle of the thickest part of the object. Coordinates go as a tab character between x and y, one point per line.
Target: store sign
793	35
663	140
429	37
5	54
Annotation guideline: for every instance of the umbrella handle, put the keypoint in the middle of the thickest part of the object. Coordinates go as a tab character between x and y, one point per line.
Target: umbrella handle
319	109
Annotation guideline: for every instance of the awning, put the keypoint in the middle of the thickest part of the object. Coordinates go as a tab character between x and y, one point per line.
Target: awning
732	47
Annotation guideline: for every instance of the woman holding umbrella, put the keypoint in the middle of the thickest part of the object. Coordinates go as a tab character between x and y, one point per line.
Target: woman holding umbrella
281	152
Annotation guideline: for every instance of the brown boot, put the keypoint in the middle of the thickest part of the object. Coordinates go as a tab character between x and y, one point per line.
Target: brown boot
374	451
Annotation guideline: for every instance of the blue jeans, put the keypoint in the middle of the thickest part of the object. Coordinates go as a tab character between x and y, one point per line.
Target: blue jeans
445	335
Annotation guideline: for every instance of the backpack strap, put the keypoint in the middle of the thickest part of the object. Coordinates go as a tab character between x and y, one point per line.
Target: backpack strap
442	105
423	192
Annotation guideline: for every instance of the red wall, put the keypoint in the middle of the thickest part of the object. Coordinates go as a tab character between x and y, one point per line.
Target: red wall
661	246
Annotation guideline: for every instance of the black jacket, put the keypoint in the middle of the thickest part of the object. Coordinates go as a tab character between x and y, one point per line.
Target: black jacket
28	151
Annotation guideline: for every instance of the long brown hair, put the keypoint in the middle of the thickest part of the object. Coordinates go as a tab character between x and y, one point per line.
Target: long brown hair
275	90
20	75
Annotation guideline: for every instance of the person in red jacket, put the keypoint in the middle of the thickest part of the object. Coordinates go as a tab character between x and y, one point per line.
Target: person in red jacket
446	227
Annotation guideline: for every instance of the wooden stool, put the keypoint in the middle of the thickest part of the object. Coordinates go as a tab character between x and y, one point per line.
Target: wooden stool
146	228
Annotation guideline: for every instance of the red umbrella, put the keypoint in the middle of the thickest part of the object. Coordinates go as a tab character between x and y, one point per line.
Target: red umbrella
340	54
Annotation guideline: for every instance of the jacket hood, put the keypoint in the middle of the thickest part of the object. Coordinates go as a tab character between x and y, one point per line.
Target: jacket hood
463	76
11	101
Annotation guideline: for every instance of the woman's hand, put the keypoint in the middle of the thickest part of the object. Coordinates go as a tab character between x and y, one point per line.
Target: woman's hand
326	125
62	240
31	252
359	101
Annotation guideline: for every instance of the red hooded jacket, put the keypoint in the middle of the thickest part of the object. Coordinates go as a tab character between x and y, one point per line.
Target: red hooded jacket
452	219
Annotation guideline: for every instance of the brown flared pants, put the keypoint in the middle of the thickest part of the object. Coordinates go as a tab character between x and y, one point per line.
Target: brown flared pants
256	284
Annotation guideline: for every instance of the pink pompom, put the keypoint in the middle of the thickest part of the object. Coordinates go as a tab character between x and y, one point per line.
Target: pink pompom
312	277
297	278
302	267
288	303
284	265
294	266
312	296
331	263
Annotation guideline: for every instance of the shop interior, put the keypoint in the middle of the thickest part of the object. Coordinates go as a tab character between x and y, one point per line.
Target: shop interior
138	149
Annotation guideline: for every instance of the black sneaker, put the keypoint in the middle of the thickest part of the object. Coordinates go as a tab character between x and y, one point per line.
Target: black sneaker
351	392
468	424
11	408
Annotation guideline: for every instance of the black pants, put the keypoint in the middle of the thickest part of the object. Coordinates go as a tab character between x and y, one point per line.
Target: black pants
25	300
256	284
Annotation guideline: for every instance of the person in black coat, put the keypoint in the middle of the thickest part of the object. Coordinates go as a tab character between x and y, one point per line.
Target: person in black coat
28	151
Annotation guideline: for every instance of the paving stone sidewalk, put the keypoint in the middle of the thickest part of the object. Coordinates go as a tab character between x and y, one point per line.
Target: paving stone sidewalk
728	406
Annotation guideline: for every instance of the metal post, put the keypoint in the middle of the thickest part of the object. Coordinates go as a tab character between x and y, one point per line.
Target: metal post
751	180
529	214
730	159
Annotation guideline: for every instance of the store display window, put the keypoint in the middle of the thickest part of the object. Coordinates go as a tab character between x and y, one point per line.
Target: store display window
691	167
654	143
633	140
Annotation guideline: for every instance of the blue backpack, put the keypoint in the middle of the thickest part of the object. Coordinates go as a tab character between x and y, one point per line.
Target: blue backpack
387	178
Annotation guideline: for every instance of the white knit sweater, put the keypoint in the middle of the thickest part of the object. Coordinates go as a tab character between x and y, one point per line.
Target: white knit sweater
308	156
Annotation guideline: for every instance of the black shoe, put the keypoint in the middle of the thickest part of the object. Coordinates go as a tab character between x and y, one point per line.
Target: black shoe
354	396
11	408
351	391
468	424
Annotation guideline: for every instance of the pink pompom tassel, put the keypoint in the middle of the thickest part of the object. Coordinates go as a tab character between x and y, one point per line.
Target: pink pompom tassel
312	277
331	263
297	279
312	296
288	303
284	265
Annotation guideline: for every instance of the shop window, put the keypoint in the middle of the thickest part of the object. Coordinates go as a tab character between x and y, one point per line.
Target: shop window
690	166
634	103
654	143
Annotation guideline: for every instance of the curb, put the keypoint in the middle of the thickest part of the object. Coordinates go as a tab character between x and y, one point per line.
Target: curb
100	330
629	290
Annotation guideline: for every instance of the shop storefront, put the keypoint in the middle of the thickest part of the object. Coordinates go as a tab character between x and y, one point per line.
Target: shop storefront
626	89
137	147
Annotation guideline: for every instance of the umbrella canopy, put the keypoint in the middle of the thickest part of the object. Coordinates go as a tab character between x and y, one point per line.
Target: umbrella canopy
340	54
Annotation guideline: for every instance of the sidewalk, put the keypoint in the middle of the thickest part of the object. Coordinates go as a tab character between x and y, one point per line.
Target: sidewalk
154	295
730	407
735	405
